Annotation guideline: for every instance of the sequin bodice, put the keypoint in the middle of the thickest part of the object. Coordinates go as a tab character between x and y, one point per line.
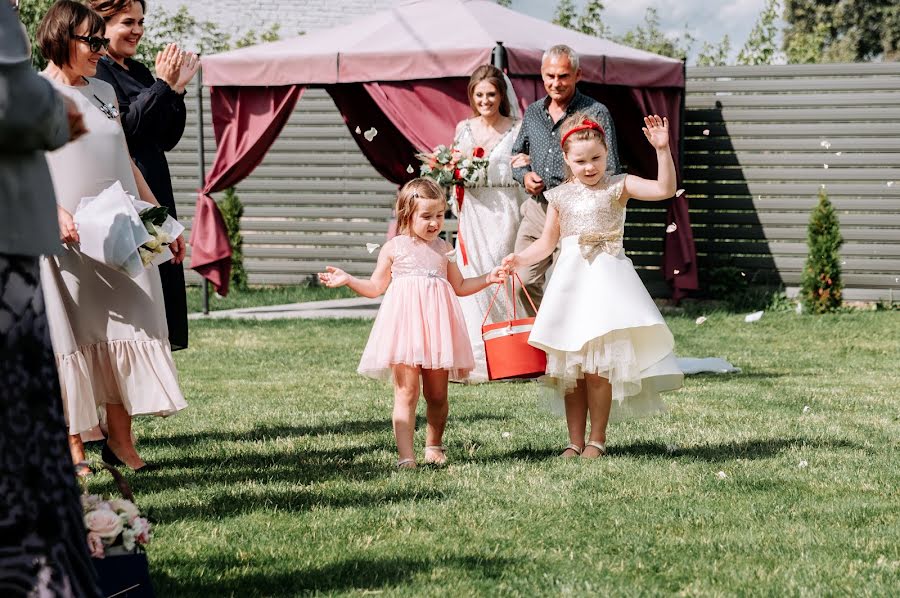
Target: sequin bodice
592	213
415	257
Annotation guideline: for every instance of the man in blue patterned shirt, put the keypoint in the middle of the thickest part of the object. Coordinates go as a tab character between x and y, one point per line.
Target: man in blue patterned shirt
539	138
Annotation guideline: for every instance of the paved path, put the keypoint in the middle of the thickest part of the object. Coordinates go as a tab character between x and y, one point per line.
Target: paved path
359	307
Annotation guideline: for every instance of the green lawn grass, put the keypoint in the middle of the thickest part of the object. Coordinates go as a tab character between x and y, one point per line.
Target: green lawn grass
278	479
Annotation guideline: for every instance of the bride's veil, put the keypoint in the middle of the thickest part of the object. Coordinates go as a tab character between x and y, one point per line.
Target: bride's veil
514	110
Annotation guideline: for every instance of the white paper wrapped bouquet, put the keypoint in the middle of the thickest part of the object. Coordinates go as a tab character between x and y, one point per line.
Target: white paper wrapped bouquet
123	232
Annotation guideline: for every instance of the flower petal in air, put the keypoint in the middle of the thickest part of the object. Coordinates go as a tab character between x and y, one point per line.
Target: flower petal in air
753	317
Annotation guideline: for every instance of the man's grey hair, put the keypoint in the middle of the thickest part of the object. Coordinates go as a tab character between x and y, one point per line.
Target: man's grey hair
562	50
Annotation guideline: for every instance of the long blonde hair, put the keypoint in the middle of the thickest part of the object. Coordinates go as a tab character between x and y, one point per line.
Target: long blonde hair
407	200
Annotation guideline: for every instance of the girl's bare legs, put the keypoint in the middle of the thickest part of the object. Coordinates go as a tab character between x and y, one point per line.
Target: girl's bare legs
406	397
434	386
120	440
599	403
576	417
76	448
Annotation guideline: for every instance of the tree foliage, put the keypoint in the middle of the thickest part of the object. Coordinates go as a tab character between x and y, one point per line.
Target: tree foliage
715	54
761	45
31	12
565	15
841	30
821	286
649	36
590	21
232	209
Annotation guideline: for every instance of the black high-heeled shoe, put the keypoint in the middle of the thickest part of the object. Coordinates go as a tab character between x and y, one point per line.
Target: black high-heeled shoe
109	457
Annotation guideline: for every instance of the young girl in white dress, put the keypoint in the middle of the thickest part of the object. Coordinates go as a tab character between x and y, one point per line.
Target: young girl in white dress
608	348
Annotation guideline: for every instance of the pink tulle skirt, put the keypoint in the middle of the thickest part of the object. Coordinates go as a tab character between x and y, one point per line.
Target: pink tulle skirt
420	323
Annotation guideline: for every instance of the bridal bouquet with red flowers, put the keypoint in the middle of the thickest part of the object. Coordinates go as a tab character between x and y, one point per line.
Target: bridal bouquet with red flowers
451	166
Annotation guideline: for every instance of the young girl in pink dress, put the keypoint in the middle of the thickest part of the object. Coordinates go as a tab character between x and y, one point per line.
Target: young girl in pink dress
420	331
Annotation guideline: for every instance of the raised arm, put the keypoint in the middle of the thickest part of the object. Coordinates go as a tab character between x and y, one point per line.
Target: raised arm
656	130
374	286
157	112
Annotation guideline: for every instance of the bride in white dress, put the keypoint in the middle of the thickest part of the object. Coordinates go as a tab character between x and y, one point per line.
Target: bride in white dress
489	216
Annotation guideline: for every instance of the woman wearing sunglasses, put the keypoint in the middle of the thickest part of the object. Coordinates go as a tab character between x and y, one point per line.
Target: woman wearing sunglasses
108	330
153	115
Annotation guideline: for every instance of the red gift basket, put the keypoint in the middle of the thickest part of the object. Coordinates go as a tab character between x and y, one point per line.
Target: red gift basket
506	343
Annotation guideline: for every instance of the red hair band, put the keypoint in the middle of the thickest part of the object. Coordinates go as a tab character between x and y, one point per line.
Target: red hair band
585	125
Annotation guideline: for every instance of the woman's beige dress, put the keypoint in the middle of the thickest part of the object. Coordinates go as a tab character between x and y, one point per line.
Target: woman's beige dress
108	330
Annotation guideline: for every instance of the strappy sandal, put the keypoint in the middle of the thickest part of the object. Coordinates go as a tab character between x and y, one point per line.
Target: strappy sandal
441	449
601	448
406	464
571	447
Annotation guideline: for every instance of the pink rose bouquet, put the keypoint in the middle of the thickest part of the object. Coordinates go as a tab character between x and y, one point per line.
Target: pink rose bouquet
115	522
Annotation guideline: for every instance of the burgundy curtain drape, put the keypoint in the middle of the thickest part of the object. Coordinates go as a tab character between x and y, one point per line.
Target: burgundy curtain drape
246	121
409	116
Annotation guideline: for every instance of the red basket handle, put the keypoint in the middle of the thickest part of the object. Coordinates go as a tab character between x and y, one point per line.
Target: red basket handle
512	298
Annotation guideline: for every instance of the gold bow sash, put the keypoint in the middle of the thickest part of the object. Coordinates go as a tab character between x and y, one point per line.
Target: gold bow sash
591	244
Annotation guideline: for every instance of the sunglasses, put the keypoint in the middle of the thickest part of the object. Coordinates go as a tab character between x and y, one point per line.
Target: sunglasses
94	43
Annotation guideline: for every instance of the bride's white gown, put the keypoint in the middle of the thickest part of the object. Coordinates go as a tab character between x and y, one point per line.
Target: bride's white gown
487	224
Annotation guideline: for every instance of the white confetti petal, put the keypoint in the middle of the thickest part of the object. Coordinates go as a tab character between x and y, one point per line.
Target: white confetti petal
676	271
706	132
700	320
672	228
370	247
753	317
505	435
806	409
825	143
679	193
802	464
409	169
671	447
838	153
721	475
799	308
890	183
358	130
370	134
743	274
825	166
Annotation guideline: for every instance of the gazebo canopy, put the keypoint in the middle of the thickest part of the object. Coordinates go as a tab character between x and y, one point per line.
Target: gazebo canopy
404	71
432	39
